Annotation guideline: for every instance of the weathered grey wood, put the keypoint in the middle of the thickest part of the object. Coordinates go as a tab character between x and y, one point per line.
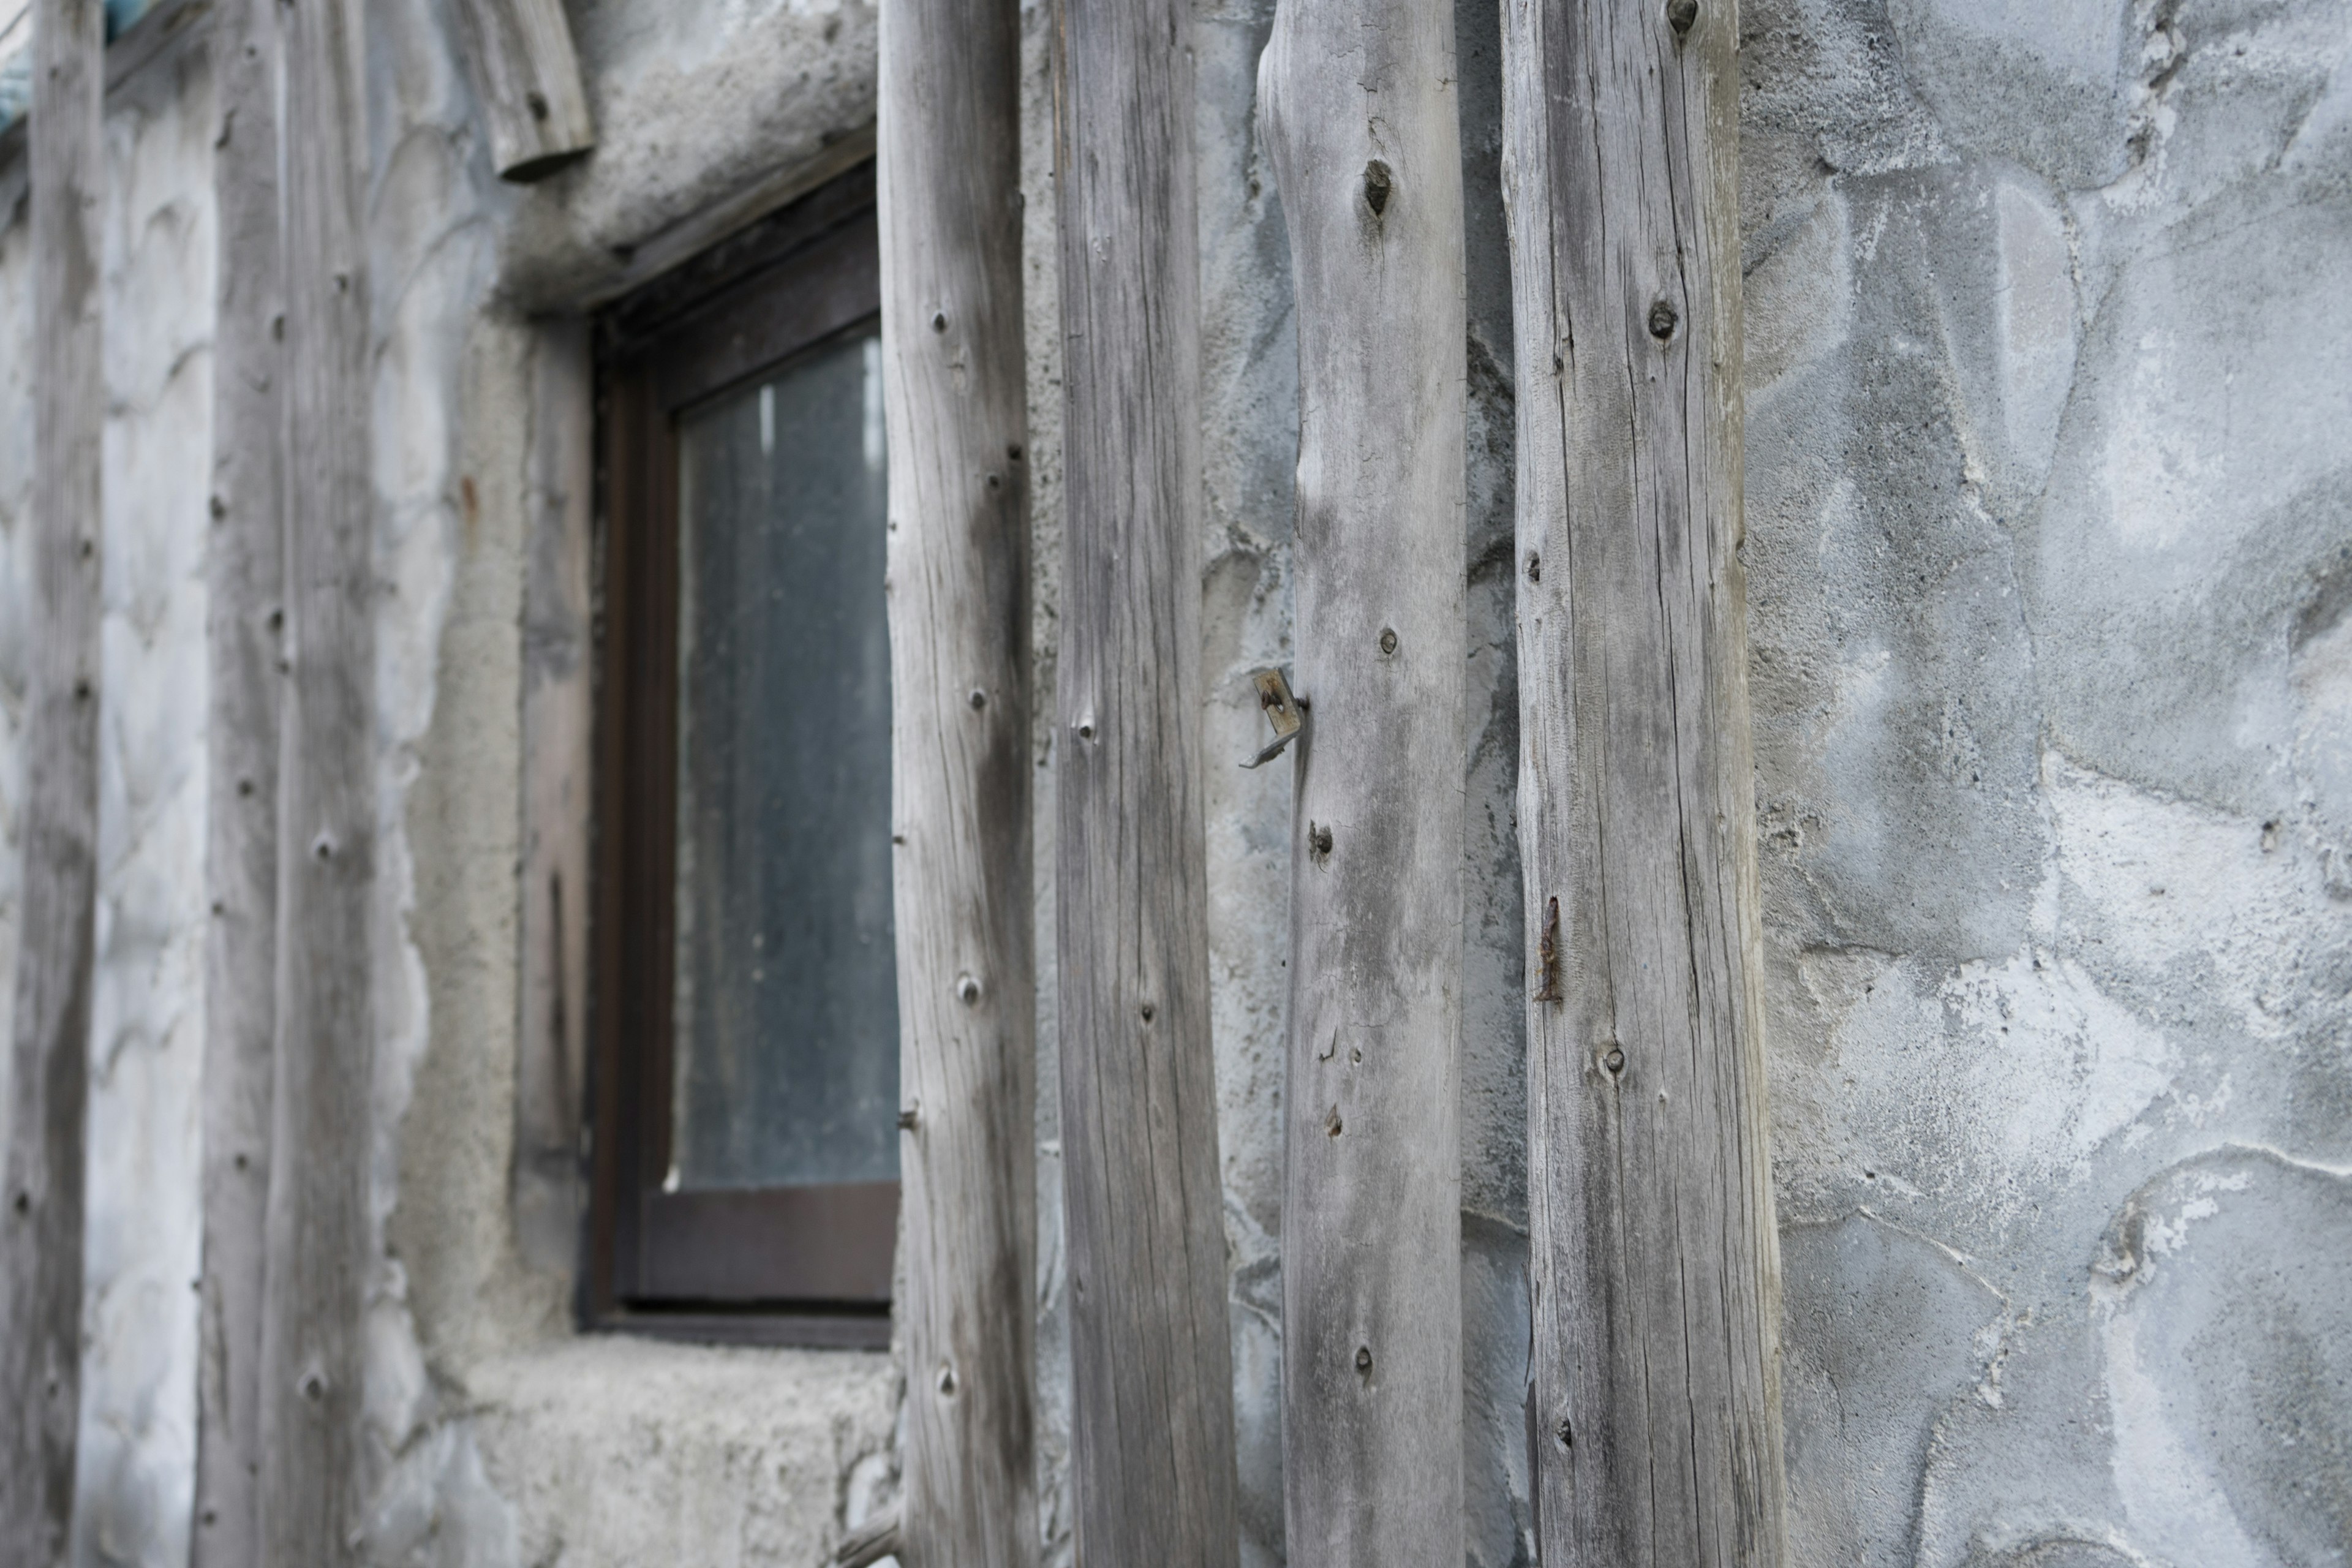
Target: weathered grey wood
1656	1398
246	583
1153	1438
528	75
41	1262
317	1225
1362	130
956	401
558	723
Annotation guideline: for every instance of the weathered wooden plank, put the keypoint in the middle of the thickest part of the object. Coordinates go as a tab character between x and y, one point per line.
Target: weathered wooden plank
956	402
246	581
1152	1440
41	1264
317	1215
1655	1391
528	75
558	744
1362	130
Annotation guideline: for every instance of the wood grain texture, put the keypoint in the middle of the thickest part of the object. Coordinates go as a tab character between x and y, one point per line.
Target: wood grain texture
956	402
246	588
528	75
1655	1398
41	1222
1362	126
317	1215
558	741
1152	1433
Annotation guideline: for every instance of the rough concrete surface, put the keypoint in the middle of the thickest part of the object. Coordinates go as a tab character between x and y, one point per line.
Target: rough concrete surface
2050	544
2047	511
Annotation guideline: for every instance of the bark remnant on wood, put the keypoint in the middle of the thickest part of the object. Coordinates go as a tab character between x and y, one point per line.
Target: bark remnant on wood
1151	1363
245	587
528	74
957	580
41	1205
317	1224
1362	127
1655	1399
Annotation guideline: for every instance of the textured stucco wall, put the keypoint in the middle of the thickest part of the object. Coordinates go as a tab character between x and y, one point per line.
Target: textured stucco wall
2049	371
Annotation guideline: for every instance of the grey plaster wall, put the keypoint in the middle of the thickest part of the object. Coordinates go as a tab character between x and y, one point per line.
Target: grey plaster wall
2048	514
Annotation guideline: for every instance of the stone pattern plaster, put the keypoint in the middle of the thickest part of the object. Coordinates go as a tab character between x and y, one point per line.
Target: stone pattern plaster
2048	517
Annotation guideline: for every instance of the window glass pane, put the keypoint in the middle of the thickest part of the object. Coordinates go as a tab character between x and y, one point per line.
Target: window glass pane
786	1001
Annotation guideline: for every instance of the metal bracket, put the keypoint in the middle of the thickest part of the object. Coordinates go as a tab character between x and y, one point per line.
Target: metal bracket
1286	712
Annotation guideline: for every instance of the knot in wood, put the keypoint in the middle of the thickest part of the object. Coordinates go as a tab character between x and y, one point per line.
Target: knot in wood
1663	320
1387	642
1363	1358
1681	14
968	990
1614	1061
537	104
978	700
1318	843
1376	185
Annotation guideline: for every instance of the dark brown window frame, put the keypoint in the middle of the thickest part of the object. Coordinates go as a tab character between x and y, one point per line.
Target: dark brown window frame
808	1265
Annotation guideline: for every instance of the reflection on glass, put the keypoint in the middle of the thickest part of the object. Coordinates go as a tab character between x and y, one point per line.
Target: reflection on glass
786	1001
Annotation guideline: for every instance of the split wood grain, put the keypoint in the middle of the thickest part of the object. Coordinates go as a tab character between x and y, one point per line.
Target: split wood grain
1655	1398
547	1182
528	74
1152	1435
317	1229
958	577
41	1263
245	587
1362	128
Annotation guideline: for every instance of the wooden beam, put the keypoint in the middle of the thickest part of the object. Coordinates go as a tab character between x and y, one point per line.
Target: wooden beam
1362	129
317	1215
528	75
558	763
246	583
1655	1394
956	400
41	1222
1153	1434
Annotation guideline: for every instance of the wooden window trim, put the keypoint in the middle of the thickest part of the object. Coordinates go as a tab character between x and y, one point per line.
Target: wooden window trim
806	1265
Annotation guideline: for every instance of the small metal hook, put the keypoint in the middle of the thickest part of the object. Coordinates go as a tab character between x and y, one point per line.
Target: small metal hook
1286	712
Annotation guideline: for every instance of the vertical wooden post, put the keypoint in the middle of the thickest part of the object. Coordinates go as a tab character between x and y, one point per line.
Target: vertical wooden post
246	581
41	1264
1151	1360
557	755
1363	131
528	74
958	595
1655	1396
317	1220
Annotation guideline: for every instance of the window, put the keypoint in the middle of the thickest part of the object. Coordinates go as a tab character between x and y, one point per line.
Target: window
746	1157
